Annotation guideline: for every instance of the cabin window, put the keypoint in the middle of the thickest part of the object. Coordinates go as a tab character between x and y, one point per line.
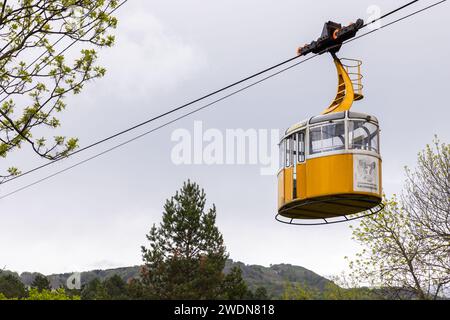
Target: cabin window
301	146
289	151
328	137
282	153
363	135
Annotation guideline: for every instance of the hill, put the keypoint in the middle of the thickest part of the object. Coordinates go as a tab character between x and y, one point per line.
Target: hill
273	278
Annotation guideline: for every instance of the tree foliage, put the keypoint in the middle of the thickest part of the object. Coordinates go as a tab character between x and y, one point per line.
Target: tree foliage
11	286
112	288
41	282
116	288
407	246
94	290
45	294
261	294
234	286
427	202
332	291
299	291
135	290
186	255
39	67
35	294
344	288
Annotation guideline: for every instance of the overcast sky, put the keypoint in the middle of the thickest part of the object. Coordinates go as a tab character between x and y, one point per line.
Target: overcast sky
168	52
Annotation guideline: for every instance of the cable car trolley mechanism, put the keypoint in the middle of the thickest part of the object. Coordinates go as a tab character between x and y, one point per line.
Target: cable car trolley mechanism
330	164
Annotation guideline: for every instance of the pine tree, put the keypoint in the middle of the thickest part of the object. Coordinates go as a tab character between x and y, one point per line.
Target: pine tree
116	288
234	286
135	290
41	282
94	290
186	256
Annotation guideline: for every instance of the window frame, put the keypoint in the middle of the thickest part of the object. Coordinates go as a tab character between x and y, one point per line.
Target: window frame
350	137
301	146
288	152
308	125
334	149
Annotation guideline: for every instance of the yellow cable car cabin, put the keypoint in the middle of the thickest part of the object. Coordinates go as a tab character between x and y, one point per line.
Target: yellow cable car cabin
331	163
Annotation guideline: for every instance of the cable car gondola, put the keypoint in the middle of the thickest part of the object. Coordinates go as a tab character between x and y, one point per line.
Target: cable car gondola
330	164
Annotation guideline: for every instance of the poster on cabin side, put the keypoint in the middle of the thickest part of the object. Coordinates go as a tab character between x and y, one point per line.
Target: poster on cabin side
365	173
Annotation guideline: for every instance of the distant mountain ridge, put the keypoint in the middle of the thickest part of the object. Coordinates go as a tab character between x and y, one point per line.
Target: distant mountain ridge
273	278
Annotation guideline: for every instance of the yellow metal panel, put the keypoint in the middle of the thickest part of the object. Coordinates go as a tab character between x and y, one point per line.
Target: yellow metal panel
301	181
288	183
281	201
345	93
319	177
329	175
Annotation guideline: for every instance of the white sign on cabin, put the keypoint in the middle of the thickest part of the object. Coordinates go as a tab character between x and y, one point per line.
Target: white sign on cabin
365	173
